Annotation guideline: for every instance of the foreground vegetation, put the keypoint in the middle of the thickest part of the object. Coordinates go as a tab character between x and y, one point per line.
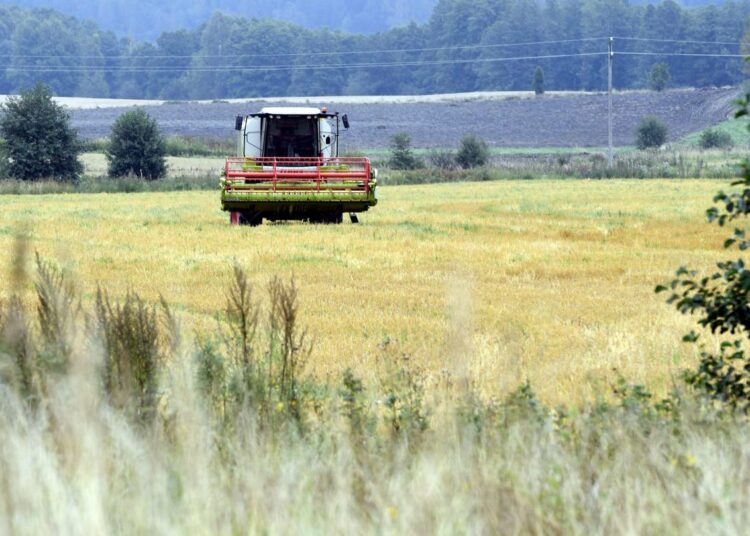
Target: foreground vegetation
113	421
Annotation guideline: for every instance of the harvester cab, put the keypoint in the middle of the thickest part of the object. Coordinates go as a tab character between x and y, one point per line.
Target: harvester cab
288	168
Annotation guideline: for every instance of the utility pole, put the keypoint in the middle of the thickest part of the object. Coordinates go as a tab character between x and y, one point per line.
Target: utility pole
610	55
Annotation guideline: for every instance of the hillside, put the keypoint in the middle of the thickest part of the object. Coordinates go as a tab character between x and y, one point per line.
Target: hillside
565	120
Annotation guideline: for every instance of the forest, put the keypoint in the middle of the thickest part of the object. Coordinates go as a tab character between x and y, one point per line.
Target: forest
465	45
124	17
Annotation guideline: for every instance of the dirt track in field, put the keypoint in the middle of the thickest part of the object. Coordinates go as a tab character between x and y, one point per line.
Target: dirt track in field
549	121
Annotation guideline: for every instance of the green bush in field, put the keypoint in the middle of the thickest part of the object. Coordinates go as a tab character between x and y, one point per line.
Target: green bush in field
136	147
472	152
3	160
39	142
715	139
443	160
722	300
651	133
402	156
659	76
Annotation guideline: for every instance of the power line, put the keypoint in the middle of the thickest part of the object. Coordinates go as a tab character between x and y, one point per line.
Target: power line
649	39
361	52
271	68
305	54
381	64
231	68
688	54
371	51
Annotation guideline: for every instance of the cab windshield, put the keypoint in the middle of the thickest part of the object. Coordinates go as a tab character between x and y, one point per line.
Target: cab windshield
291	136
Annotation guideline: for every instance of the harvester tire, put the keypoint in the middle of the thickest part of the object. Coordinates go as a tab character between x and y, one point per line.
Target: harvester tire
250	218
336	217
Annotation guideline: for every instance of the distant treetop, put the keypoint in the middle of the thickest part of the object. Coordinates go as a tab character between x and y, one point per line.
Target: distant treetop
459	46
354	16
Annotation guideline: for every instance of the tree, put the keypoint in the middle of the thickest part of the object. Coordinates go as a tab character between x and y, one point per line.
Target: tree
538	84
402	156
136	147
651	133
659	76
3	160
472	152
722	300
713	138
39	140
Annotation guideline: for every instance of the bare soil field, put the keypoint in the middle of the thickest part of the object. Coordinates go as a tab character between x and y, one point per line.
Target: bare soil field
556	120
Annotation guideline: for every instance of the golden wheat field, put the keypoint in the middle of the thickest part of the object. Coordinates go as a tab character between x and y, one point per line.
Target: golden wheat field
550	281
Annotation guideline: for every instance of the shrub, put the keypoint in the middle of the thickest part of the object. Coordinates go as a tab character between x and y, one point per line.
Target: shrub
39	141
659	76
651	133
538	84
722	301
136	147
234	373
133	344
3	160
445	160
472	152
715	139
402	156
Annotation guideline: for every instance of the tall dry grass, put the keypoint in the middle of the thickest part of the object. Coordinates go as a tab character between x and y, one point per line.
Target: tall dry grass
382	457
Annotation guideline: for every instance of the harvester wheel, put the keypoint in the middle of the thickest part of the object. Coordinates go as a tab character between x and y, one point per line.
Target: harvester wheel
336	217
234	218
251	218
353	217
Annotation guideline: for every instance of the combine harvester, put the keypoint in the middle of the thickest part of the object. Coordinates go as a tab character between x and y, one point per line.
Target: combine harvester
287	168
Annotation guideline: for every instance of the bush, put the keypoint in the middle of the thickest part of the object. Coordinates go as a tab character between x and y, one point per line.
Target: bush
651	133
133	343
444	160
659	76
136	147
715	139
472	152
722	301
3	160
39	141
402	156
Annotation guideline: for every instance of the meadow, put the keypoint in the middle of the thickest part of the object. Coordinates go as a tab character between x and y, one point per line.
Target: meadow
546	281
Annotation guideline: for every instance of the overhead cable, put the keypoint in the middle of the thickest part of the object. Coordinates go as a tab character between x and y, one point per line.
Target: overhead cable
232	68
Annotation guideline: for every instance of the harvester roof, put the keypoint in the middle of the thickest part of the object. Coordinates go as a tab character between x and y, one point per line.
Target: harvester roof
291	110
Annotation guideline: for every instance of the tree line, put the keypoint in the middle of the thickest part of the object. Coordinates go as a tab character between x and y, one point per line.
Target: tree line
125	17
461	48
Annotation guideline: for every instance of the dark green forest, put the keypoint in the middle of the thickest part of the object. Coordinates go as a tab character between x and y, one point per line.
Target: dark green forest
125	17
466	45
